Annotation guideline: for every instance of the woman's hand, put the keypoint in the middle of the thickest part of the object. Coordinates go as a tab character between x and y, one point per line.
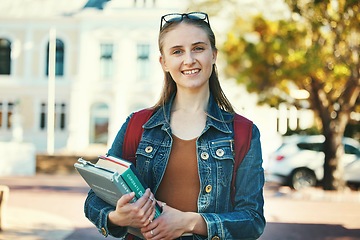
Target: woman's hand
138	214
173	223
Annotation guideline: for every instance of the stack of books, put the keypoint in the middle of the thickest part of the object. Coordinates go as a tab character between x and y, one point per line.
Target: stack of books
112	177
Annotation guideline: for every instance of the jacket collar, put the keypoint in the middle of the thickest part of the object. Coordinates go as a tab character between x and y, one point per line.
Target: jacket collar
217	118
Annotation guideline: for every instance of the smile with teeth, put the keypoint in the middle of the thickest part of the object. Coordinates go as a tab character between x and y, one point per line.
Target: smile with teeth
188	72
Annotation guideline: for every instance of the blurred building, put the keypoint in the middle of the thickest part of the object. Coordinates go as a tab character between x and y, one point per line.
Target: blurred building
106	66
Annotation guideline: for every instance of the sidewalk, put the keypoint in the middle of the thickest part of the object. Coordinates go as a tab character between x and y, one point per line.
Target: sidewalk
47	207
22	223
50	207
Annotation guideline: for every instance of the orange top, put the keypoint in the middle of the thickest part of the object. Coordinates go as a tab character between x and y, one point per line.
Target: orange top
180	185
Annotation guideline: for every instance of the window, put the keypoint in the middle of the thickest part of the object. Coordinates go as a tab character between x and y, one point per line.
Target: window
1	114
106	61
43	116
143	60
5	56
144	3
60	116
6	113
318	147
99	123
10	112
59	58
351	150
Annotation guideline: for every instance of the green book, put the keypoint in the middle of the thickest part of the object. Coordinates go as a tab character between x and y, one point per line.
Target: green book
106	184
129	174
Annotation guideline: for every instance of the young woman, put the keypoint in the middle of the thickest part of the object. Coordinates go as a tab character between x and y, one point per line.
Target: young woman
185	155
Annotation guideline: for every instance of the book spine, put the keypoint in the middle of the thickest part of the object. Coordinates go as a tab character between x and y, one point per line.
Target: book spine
137	187
133	182
122	186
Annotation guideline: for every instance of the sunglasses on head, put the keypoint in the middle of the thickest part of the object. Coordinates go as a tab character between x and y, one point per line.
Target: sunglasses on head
178	17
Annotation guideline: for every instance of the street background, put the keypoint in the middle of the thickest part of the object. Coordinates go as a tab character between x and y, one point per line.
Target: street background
50	207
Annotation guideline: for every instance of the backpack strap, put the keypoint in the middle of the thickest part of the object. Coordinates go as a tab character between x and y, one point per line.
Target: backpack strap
242	141
133	133
132	138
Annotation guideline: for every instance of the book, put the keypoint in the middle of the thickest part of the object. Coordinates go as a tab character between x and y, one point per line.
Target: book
110	178
129	174
107	184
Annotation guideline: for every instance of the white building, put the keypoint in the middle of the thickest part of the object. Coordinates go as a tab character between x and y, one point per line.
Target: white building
106	67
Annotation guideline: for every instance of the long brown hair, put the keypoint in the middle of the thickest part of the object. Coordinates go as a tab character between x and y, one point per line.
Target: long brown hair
169	87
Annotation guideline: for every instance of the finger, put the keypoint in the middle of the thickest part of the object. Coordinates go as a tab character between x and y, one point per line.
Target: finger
149	233
152	215
151	224
152	233
143	199
150	203
126	198
149	212
161	204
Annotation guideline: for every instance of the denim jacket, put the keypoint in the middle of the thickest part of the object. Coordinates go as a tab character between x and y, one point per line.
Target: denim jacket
243	220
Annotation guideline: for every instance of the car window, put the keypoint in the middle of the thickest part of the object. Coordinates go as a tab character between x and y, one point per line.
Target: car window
311	146
350	149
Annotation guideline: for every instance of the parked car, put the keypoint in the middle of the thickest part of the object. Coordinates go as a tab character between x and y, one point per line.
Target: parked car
299	162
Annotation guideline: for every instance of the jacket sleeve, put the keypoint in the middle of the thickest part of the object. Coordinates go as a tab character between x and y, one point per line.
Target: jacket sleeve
246	221
97	210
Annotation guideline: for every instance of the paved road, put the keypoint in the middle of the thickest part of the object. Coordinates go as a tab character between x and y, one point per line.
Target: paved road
50	207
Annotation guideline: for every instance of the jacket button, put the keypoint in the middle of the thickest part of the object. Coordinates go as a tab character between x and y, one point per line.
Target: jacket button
103	231
215	238
208	188
148	149
220	152
204	156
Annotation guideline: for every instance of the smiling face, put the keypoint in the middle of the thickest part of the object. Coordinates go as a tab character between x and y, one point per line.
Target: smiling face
188	56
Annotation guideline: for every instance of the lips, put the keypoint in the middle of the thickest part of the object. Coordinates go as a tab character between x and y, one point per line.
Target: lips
189	72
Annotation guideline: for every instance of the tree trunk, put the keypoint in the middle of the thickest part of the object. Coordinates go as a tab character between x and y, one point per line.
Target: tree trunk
333	126
332	169
334	150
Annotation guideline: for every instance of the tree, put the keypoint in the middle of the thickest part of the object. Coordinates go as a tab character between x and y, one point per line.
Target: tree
316	50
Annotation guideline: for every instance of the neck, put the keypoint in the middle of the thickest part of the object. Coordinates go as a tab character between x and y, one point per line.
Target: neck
191	102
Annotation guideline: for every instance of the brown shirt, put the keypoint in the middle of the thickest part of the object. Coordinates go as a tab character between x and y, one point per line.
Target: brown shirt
180	185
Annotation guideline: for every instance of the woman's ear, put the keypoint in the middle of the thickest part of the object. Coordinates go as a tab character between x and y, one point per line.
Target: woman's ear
163	64
214	56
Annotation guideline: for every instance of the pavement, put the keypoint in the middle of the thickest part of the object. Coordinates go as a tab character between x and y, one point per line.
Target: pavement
50	207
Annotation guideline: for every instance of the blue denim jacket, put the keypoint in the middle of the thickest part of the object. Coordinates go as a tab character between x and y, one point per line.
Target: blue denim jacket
244	220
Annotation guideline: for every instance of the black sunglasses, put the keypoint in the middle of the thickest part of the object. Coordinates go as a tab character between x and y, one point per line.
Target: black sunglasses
178	17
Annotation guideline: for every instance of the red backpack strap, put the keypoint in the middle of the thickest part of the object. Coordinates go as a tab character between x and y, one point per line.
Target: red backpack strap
134	132
132	139
242	141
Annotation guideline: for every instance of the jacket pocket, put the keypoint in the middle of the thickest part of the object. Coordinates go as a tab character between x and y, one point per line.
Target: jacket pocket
221	150
147	149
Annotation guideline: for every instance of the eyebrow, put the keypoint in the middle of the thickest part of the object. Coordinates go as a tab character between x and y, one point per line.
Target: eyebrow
194	44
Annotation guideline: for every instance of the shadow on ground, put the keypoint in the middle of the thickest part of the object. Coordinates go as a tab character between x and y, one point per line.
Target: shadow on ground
301	231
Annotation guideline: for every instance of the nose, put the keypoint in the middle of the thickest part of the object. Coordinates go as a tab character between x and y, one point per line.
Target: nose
189	59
